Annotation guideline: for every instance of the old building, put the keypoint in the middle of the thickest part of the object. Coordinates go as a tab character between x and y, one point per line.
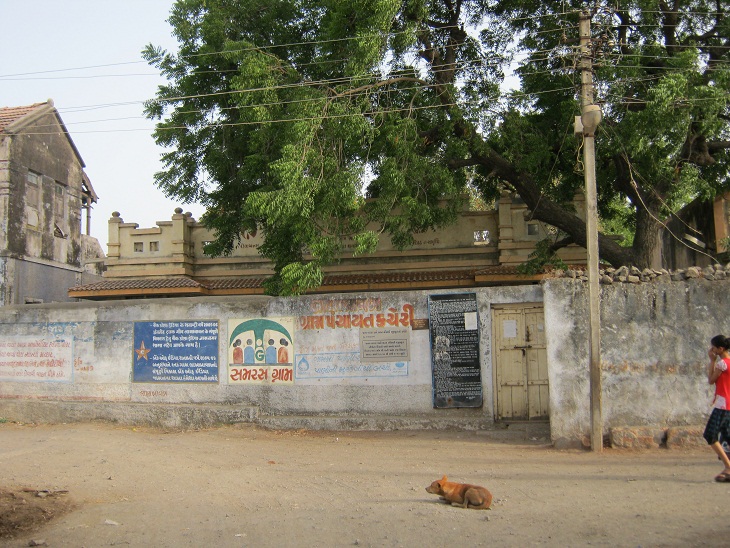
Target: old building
168	260
43	192
697	235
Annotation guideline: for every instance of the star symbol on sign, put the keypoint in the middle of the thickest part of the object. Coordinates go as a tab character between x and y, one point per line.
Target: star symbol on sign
142	351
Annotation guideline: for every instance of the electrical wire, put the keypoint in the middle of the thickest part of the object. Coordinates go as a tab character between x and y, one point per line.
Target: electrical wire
263	48
162	127
334	81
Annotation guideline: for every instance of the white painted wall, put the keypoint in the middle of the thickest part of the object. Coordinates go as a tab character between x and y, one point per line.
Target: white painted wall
102	336
653	348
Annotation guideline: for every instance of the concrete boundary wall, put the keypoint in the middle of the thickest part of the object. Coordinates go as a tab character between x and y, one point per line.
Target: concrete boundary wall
654	341
96	372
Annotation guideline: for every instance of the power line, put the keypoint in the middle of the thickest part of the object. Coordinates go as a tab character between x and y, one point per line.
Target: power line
290	120
260	48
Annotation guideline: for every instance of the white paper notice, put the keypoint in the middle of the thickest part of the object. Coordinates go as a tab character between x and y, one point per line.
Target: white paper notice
470	321
509	329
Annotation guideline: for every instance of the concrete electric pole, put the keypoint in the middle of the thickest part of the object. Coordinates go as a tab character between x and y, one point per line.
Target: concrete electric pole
590	118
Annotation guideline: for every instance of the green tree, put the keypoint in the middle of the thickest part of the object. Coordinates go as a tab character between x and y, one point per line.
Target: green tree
662	78
319	120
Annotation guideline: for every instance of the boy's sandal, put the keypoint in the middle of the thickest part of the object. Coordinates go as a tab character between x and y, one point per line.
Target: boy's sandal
723	477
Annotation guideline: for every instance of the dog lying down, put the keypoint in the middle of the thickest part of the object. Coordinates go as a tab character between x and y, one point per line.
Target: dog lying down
461	494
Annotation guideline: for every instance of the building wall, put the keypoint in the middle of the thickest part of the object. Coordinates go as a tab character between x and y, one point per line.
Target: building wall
4	190
37	281
7	281
478	239
50	198
697	235
41	244
98	361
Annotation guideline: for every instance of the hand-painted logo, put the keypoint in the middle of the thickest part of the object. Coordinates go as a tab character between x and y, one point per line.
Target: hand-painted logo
260	341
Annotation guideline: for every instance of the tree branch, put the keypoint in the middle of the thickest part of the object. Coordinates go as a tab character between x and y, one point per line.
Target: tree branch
560	244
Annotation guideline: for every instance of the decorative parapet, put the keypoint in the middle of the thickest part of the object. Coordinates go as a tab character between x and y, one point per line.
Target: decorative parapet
477	240
113	245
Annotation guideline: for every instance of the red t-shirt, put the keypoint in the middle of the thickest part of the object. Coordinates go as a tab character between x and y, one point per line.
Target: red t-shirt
722	384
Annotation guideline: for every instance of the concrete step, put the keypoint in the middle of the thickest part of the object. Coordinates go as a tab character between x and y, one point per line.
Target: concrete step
162	415
536	432
192	416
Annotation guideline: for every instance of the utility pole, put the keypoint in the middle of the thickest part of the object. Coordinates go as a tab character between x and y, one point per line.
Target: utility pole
590	118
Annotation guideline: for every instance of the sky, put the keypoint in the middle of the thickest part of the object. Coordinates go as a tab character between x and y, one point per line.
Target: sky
85	55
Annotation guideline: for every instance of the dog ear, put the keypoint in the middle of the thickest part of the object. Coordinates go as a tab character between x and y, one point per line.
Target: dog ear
444	478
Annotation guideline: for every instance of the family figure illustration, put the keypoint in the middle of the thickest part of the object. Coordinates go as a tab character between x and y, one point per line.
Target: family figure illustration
271	354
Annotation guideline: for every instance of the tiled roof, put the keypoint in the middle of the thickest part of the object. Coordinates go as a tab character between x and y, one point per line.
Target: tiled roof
8	115
497	270
154	283
233	283
240	285
510	270
398	277
331	282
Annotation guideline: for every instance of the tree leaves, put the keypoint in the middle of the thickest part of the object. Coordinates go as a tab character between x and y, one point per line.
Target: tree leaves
323	122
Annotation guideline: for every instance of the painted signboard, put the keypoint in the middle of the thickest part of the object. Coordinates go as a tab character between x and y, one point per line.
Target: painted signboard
385	345
342	365
260	351
40	359
175	351
454	330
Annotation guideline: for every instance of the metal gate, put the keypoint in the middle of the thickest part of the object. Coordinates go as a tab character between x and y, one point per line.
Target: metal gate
520	362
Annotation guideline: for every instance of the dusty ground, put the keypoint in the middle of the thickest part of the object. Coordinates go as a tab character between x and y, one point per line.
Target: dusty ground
239	486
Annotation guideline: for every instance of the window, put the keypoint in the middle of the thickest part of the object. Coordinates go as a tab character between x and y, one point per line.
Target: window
33	191
154	246
59	202
33	178
138	247
532	229
32	196
32	217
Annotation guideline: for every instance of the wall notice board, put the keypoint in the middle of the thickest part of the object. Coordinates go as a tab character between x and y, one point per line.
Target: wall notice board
454	329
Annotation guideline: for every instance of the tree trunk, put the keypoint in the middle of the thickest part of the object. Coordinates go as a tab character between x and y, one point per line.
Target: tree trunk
548	211
647	238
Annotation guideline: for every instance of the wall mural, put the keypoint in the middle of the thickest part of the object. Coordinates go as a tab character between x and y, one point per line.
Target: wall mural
260	351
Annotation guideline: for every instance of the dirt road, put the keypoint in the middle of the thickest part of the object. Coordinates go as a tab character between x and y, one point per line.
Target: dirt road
240	486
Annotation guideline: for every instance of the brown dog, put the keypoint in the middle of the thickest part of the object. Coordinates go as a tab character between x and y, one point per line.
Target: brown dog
461	494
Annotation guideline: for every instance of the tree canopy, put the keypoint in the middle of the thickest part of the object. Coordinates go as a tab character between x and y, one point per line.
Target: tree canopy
317	120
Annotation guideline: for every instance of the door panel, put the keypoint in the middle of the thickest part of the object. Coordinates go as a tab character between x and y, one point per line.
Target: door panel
520	363
537	373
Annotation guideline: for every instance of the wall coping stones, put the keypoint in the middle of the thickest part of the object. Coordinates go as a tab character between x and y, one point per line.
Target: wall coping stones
633	275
